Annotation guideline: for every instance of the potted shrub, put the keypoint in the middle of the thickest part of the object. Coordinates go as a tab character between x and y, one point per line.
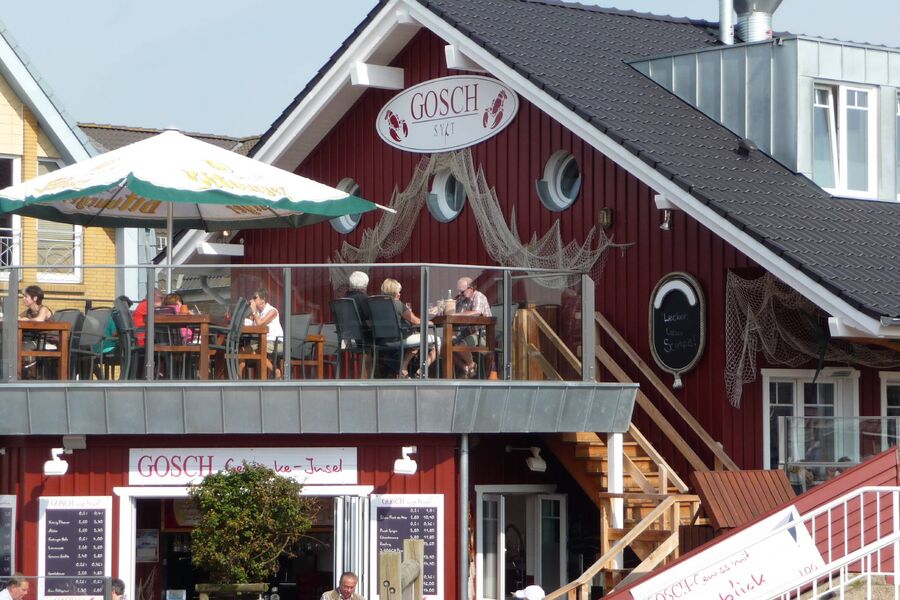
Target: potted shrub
249	517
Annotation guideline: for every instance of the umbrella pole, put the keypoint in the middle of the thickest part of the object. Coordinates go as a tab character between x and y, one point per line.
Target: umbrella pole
169	219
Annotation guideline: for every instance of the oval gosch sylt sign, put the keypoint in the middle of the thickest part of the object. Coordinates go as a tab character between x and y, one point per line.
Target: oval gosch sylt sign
447	114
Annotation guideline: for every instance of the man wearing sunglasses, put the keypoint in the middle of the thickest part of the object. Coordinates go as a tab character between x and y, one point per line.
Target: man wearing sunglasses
471	302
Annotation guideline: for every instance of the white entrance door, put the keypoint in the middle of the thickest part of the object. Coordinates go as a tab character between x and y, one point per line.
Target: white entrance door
351	537
521	539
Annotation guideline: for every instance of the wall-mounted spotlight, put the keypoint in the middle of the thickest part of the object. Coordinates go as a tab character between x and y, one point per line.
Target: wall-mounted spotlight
406	465
666	224
56	465
534	462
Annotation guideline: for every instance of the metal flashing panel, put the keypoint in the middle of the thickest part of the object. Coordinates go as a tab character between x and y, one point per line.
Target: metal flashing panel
315	407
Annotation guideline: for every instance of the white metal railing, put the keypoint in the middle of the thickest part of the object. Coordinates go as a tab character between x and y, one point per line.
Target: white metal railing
7	246
858	538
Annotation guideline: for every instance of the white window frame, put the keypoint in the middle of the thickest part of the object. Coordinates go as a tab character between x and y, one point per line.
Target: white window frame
846	399
347	223
897	147
16	222
437	201
837	124
887	378
76	276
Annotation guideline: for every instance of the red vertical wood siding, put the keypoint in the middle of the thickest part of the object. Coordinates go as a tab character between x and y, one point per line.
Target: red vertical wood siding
512	161
104	465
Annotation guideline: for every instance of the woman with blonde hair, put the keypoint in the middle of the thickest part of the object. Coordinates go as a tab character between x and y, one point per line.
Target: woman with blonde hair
408	320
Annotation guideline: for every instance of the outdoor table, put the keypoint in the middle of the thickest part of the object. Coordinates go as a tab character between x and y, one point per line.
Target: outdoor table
42	328
196	323
447	347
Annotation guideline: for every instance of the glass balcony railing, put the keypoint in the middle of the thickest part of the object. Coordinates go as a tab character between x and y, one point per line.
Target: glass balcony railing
210	323
813	450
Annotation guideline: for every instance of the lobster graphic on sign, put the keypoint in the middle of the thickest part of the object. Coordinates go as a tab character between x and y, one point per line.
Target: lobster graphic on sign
396	126
494	113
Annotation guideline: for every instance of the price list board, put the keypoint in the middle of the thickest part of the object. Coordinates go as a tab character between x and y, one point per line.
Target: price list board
75	546
398	517
7	535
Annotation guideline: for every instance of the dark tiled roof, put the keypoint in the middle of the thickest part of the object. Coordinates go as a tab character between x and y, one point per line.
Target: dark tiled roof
577	54
110	137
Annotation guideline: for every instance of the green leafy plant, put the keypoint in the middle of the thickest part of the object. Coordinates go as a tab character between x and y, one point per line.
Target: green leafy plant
249	516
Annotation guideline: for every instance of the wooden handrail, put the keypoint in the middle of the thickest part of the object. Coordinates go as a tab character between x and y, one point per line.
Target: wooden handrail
652	452
664	391
615	549
556	341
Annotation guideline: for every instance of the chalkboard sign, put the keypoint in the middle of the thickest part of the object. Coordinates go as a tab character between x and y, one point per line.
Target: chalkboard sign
398	517
677	324
7	535
75	546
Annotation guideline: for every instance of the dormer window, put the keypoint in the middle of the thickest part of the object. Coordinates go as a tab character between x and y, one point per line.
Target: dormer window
844	150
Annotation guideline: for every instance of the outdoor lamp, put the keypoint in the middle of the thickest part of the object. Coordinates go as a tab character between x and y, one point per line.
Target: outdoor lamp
534	462
406	465
56	465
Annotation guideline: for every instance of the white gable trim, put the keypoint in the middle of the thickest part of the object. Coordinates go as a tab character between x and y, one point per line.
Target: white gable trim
30	92
304	114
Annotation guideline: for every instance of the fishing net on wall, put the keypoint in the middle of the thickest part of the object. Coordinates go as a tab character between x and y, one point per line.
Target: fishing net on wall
501	240
765	315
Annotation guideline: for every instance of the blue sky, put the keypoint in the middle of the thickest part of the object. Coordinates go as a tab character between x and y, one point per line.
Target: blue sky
232	66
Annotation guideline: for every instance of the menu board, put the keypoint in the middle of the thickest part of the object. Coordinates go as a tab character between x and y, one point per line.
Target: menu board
7	535
75	547
398	517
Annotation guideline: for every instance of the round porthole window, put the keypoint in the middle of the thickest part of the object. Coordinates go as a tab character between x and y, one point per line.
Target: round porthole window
347	223
562	181
447	198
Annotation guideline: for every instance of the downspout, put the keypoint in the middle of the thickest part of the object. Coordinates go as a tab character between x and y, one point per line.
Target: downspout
464	517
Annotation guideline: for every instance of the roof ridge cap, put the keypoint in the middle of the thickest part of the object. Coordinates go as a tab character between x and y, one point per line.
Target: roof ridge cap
134	129
624	12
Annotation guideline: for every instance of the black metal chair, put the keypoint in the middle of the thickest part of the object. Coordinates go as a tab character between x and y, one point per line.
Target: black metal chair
129	354
350	332
389	336
301	350
89	357
234	340
75	319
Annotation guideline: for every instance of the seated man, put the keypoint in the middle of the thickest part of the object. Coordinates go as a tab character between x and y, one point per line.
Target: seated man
469	301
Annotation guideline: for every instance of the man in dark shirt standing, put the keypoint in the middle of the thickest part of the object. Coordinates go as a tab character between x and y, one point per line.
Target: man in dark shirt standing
359	281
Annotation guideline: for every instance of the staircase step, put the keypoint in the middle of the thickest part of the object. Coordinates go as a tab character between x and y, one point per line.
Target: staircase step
648	535
600	450
583	436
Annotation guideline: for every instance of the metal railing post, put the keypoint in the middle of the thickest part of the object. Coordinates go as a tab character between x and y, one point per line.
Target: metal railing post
506	370
423	320
149	342
588	329
286	342
11	339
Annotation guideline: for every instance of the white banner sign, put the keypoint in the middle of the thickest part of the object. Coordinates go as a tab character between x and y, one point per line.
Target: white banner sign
447	114
183	466
732	569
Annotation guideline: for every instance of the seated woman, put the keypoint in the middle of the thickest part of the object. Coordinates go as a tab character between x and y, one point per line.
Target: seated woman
33	298
178	307
263	313
408	320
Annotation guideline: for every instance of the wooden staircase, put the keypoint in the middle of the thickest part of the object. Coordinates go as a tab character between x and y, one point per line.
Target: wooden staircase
654	501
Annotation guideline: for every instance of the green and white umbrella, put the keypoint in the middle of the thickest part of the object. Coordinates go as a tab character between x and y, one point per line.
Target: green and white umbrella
172	180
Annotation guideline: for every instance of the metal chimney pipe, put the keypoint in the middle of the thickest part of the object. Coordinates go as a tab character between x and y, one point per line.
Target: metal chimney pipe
726	22
754	19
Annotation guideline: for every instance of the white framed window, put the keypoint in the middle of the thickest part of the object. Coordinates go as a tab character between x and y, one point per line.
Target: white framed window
897	149
561	184
59	245
347	223
821	436
890	406
845	159
10	225
447	198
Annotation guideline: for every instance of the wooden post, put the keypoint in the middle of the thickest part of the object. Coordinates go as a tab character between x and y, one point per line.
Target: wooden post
389	576
414	553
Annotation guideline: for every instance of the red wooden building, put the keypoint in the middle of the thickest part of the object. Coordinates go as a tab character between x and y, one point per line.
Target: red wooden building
677	167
